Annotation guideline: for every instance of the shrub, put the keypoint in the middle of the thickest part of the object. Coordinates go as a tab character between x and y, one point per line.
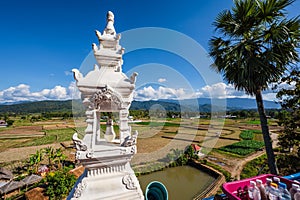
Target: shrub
59	184
10	122
255	167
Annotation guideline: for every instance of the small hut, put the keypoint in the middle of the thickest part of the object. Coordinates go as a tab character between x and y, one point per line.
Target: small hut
10	187
197	150
29	180
3	123
5	174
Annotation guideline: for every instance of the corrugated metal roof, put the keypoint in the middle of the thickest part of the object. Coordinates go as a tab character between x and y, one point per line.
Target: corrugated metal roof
11	186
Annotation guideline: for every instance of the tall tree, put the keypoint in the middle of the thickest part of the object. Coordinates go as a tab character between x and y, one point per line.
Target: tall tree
257	43
289	138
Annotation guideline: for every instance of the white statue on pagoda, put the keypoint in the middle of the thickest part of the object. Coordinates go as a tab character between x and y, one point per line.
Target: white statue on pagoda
106	157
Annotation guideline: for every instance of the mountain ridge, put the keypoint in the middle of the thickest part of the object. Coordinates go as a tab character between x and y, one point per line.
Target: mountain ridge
231	103
200	104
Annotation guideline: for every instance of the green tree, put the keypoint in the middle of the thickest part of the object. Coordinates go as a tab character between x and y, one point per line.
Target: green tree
50	153
6	117
179	156
257	44
35	160
177	153
54	156
290	116
190	153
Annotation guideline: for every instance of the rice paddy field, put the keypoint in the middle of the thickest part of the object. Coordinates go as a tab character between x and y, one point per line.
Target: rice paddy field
157	137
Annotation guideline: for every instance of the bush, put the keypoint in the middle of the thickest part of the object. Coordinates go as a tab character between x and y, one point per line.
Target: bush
255	167
59	184
286	163
10	122
247	135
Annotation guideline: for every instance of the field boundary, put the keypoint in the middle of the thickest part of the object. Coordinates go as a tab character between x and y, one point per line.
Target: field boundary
214	187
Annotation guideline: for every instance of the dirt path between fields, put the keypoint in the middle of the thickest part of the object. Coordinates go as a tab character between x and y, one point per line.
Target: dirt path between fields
236	165
237	170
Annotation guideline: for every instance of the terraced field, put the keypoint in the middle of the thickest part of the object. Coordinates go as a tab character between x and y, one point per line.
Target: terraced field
155	140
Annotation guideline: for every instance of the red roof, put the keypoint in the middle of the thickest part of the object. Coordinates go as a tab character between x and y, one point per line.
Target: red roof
196	147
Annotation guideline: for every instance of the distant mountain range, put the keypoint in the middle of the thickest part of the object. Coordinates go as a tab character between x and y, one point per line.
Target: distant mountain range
39	106
231	103
201	104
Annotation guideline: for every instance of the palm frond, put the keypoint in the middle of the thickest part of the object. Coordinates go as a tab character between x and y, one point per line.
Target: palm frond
257	43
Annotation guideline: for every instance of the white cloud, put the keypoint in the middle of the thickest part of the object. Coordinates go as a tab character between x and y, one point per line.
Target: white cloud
283	85
149	93
269	96
74	93
22	93
221	90
18	93
58	92
161	80
218	90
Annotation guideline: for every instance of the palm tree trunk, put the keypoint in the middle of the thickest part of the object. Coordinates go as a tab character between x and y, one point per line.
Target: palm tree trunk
265	132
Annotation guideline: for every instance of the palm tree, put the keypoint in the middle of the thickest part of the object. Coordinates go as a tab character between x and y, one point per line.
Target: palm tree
256	46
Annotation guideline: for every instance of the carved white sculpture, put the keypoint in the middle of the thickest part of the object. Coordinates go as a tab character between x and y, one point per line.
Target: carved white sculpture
108	174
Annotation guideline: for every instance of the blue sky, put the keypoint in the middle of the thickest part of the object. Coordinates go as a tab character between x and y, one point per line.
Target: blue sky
42	41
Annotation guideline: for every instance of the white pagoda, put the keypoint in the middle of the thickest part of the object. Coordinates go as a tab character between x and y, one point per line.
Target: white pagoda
106	158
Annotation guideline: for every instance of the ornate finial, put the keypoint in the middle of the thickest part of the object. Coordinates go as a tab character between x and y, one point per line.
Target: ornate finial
109	38
110	16
110	29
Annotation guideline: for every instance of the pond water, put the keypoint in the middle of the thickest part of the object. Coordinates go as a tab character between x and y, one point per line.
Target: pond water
182	182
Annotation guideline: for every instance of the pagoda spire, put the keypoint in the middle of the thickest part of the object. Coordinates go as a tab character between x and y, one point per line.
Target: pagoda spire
106	156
